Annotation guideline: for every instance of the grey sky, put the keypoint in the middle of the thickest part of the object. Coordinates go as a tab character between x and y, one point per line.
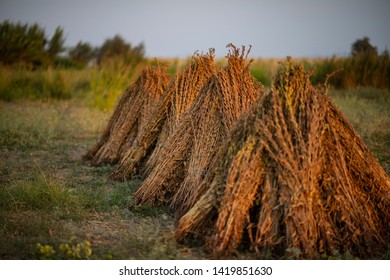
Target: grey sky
275	28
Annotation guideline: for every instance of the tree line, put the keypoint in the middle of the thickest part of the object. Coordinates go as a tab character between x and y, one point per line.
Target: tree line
28	44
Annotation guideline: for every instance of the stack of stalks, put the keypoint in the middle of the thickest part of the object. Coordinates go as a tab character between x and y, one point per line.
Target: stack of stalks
187	154
130	116
141	157
282	173
292	180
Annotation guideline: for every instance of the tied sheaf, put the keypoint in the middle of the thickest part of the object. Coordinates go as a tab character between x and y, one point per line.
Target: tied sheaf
287	175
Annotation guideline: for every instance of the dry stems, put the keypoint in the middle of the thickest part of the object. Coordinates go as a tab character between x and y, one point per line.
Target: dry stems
177	99
294	180
131	114
186	156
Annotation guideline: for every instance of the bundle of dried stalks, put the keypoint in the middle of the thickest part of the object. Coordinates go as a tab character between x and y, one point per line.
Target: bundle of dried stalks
178	98
187	154
130	116
293	180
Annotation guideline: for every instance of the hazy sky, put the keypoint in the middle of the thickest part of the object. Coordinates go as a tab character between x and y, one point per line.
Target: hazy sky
275	28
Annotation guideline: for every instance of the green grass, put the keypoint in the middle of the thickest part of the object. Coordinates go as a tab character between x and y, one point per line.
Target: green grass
48	195
28	125
108	82
97	86
42	84
369	112
18	133
100	86
40	193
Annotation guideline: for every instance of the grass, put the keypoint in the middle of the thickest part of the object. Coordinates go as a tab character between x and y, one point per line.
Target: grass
18	83
369	112
48	195
100	86
97	86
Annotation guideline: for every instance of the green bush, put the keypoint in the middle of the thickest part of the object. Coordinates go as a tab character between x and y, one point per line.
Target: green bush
365	70
109	80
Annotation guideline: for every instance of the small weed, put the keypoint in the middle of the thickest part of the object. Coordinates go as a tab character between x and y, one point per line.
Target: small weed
71	250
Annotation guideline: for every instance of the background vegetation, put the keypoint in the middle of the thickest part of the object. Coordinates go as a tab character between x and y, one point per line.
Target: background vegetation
33	66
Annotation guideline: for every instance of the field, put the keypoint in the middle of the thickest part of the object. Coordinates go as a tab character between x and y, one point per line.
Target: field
54	205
